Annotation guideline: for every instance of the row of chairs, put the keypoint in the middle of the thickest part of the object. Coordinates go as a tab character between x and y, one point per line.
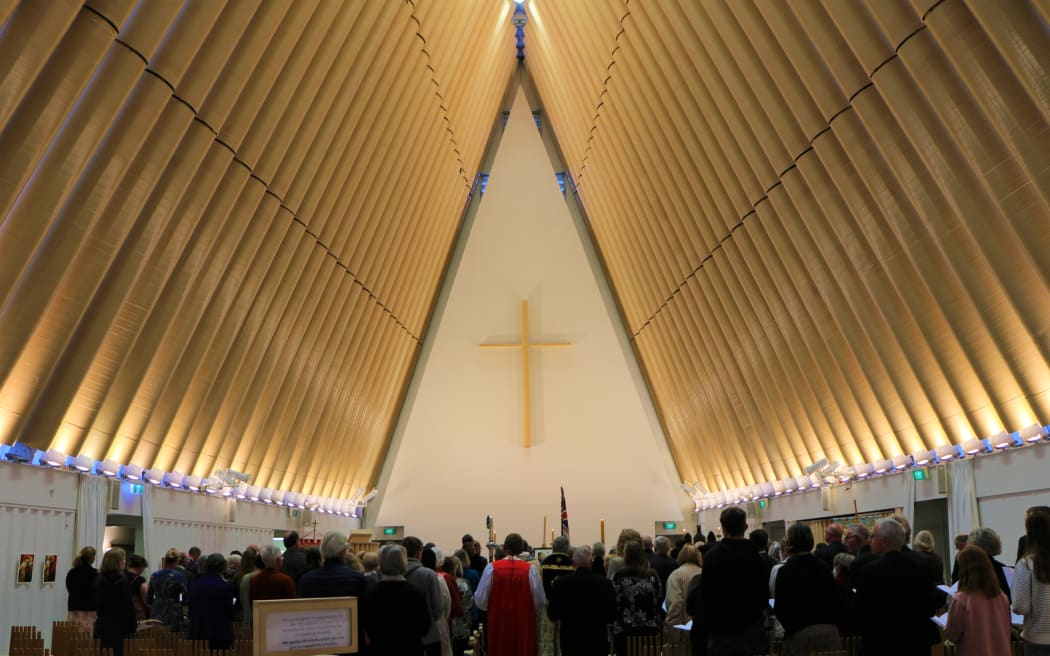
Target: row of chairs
68	639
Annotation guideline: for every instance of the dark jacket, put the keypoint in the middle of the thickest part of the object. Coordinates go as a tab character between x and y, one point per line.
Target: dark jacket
294	563
335	579
80	584
894	606
828	552
664	565
396	618
585	604
211	610
734	590
806	594
116	614
553	567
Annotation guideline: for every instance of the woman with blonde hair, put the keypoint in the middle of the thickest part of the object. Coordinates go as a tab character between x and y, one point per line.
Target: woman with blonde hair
689	564
979	615
80	584
116	612
167	587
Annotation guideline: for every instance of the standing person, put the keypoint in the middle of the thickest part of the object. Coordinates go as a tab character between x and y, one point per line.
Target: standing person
242	610
511	591
923	550
833	538
427	583
459	627
584	603
190	565
80	584
1032	585
992	544
139	589
166	589
598	558
269	582
211	604
894	591
960	544
638	597
395	617
294	557
734	591
689	564
335	578
662	561
806	598
115	619
979	614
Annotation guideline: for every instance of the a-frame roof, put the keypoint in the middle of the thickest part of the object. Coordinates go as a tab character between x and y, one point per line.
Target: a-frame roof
223	224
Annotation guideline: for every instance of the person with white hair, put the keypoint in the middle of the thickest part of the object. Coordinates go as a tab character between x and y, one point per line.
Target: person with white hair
334	578
894	598
270	583
395	616
584	603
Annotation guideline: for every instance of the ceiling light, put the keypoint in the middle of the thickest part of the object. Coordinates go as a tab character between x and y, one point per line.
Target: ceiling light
922	457
19	452
278	497
154	476
252	494
882	466
846	474
241	491
901	461
131	472
173	479
191	482
54	458
817	466
977	445
948	452
778	488
266	495
864	470
212	485
108	467
1032	433
790	484
371	495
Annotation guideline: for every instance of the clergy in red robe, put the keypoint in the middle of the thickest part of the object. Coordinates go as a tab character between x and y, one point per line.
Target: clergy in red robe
511	591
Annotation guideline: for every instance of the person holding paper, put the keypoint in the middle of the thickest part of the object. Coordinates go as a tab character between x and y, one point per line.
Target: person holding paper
1032	585
979	615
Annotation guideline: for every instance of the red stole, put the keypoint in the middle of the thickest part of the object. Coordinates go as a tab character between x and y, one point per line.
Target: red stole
511	614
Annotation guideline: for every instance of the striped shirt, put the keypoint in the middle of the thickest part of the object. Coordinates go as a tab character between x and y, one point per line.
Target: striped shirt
1032	599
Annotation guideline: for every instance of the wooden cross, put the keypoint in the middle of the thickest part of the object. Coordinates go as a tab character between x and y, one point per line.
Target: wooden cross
524	345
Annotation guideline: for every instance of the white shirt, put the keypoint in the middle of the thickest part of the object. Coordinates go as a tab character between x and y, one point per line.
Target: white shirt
481	595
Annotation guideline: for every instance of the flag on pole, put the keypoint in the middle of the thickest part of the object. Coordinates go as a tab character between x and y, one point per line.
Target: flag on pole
564	515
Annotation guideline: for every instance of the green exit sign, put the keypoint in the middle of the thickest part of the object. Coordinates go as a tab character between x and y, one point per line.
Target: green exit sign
920	474
389	530
670	526
762	503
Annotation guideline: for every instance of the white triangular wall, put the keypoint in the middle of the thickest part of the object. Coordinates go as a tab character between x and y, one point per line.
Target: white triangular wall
457	453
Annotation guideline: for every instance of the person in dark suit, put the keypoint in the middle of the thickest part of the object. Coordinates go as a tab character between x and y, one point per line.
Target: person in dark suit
211	602
894	598
833	537
584	603
396	616
807	599
294	563
116	614
334	578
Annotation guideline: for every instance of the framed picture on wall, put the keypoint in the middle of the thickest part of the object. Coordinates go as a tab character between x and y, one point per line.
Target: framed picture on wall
25	568
50	568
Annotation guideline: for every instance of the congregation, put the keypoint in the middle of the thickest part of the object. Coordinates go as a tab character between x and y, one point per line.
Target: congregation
722	597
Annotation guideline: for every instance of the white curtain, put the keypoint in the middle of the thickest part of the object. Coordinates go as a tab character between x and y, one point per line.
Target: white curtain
963	512
92	495
909	499
149	532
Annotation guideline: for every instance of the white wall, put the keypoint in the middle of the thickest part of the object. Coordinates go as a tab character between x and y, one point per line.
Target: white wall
457	451
38	516
1007	484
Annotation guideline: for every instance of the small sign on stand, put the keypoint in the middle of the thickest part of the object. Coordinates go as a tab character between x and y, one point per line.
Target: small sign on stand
304	627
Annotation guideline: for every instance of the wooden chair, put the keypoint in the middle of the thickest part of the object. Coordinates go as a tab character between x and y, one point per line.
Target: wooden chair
645	645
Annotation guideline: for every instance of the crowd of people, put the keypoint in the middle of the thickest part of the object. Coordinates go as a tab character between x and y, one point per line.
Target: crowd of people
726	594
